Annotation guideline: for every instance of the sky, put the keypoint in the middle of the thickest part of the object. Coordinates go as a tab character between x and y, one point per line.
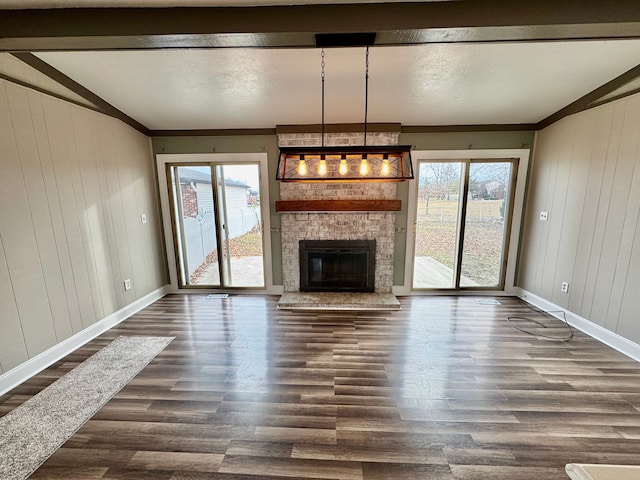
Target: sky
247	173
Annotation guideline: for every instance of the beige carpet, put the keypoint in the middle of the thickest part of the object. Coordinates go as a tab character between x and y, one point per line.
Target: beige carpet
32	432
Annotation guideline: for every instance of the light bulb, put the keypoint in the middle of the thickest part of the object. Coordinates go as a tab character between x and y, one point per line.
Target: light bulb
322	168
364	167
342	169
302	167
386	168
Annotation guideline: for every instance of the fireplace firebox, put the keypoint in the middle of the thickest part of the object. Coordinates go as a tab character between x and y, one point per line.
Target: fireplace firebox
337	265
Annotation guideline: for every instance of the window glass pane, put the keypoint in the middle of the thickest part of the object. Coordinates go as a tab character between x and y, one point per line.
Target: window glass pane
196	225
485	224
436	225
241	221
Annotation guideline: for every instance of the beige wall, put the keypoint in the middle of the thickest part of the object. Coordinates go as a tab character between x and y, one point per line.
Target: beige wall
586	173
269	144
73	184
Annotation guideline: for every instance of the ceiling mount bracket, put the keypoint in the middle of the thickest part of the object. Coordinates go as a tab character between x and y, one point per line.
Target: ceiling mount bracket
362	39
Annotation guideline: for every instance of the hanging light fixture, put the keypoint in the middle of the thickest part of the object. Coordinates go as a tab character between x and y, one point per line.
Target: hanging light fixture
387	163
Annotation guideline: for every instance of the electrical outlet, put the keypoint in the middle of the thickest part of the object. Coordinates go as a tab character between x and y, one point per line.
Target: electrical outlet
544	216
565	287
143	217
127	284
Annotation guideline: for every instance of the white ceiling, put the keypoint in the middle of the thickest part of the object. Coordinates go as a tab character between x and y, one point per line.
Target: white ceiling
435	84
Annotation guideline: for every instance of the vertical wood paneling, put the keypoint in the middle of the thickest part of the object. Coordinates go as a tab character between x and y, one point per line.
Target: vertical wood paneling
574	188
531	243
152	230
91	218
122	255
148	232
628	322
13	350
72	185
556	198
62	153
76	139
535	243
586	171
615	136
19	240
55	211
593	186
615	217
85	268
627	208
40	215
130	213
103	147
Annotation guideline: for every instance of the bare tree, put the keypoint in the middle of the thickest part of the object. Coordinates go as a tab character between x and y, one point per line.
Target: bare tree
486	173
439	180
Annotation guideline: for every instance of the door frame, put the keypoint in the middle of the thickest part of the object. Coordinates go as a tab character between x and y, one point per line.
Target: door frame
162	159
522	155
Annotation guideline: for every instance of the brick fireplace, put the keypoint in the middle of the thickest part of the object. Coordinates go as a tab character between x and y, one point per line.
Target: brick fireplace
378	226
337	265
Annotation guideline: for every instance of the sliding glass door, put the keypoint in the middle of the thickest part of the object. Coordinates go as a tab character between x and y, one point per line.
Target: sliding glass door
217	224
462	223
437	226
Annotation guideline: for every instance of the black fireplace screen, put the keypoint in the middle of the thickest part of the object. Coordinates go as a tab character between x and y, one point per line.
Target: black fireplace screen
337	265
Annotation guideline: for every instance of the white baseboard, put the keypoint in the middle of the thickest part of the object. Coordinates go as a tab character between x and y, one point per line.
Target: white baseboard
271	290
399	290
28	369
605	336
402	291
276	290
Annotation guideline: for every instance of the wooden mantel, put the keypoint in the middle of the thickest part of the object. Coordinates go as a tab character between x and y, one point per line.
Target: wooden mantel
284	206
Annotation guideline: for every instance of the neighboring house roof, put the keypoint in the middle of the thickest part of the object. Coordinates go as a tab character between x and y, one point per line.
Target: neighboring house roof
235	183
196	176
192	175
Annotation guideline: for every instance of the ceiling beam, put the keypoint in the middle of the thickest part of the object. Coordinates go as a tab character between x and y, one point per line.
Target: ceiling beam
48	92
217	132
296	25
591	99
509	127
78	89
375	127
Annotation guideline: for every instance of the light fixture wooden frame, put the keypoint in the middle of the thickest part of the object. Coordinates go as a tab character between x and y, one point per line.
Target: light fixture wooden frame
389	163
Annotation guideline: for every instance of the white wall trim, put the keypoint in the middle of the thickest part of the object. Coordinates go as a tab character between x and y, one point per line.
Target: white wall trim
401	291
612	339
28	369
274	290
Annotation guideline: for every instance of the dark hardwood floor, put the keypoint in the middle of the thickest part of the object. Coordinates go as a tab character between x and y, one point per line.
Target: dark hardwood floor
443	389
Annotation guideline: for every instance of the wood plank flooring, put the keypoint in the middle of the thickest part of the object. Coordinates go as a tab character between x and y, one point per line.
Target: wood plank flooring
443	389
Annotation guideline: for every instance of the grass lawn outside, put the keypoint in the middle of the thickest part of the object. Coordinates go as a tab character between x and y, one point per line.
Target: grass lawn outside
484	232
247	245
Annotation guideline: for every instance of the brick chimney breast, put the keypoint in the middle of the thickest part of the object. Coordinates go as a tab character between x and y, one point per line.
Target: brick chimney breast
379	226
